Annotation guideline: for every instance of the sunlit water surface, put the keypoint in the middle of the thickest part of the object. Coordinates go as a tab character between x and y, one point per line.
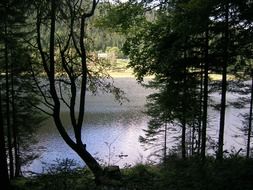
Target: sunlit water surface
111	129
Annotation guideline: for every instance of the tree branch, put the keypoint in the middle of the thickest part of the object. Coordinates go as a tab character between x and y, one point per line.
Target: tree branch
44	62
42	110
49	105
62	98
94	4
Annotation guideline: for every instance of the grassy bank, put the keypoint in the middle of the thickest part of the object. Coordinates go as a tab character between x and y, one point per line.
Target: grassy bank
175	174
120	70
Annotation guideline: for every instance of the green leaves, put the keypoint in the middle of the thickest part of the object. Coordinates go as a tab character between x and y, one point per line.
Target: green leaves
121	17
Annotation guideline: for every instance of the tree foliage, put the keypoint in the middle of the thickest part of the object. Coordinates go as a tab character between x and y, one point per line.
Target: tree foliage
185	42
19	115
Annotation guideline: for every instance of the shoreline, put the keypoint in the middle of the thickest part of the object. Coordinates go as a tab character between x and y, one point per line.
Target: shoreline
124	74
130	74
121	74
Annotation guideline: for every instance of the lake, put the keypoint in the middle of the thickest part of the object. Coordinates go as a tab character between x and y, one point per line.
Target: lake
111	129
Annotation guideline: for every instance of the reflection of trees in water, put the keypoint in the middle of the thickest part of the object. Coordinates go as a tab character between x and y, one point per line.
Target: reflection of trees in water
106	119
123	117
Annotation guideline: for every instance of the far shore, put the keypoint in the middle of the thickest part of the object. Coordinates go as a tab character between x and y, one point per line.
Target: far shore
129	74
124	74
121	74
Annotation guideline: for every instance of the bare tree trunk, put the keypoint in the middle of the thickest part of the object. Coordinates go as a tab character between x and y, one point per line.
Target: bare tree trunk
184	104
165	141
14	126
224	86
205	101
183	147
250	118
3	158
193	137
8	123
200	117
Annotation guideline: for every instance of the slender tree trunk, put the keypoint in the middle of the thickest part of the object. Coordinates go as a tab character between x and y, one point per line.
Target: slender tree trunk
3	158
200	117
8	123
14	125
165	142
183	139
224	87
205	101
250	118
193	139
184	104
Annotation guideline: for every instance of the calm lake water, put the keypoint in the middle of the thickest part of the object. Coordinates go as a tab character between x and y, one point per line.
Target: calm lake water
111	129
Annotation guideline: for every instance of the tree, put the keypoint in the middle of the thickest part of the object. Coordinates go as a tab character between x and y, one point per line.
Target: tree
3	158
186	40
250	120
19	116
232	47
162	49
247	16
243	66
224	81
49	67
67	69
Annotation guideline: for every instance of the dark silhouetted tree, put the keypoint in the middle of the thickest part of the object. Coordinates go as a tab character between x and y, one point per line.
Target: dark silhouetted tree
3	158
68	69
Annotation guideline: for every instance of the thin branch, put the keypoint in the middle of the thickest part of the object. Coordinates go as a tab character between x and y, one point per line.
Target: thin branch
40	89
42	110
30	43
52	49
150	8
94	4
62	98
72	104
63	81
44	103
72	84
64	63
72	16
63	50
76	3
38	24
75	44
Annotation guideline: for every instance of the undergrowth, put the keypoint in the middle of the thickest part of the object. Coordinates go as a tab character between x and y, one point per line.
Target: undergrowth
174	174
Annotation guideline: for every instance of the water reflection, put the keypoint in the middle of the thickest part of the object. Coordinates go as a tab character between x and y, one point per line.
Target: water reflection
109	129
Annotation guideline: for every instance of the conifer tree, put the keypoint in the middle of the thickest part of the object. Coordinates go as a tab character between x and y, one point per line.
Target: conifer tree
14	62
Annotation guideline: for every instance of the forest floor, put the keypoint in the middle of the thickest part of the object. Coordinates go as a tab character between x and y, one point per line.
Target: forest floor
233	173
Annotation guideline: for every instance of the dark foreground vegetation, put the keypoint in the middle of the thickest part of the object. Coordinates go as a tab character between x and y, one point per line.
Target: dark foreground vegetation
175	174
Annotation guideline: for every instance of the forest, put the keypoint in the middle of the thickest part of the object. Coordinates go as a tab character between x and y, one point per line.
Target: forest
195	56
